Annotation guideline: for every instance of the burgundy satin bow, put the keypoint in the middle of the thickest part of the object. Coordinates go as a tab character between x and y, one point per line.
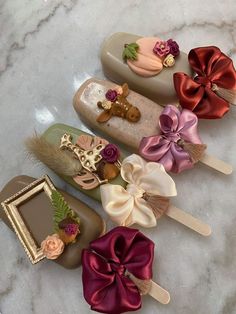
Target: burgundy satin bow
196	94
106	288
164	148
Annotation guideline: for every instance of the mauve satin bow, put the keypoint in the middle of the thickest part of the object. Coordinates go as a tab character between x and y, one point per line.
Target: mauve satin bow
106	287
163	148
196	94
129	206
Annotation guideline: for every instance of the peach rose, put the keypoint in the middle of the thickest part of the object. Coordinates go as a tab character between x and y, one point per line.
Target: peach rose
52	246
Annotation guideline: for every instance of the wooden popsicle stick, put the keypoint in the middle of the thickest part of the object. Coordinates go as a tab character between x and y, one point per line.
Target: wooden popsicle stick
217	164
158	293
188	220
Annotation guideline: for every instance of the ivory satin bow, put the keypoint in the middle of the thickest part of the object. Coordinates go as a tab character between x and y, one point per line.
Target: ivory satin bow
144	180
209	93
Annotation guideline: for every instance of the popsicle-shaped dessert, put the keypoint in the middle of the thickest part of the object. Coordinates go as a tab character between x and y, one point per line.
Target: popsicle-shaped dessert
55	225
131	189
49	222
147	64
167	135
117	272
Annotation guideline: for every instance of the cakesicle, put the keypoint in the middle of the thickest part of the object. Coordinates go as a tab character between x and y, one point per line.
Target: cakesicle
140	193
30	213
141	67
155	140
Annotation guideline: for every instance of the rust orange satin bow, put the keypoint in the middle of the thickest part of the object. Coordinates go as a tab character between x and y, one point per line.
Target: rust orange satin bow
213	70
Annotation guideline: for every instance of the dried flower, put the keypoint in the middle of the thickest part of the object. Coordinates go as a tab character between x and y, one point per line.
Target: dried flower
52	246
71	229
169	60
174	47
110	153
111	95
106	104
68	230
161	48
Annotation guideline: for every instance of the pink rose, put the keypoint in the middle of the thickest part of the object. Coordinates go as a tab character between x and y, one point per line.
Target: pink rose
52	246
161	48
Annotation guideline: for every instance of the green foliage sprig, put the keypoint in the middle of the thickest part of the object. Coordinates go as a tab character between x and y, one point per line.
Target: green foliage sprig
130	51
61	210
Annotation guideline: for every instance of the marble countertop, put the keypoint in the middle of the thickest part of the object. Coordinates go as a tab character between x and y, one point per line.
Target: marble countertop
47	49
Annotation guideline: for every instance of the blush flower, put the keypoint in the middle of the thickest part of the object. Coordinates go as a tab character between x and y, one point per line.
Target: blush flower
161	48
52	246
111	95
110	153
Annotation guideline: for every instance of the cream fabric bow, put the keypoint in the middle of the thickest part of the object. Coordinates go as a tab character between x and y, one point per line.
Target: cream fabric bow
127	206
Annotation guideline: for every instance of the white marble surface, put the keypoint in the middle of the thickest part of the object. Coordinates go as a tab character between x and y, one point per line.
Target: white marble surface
47	48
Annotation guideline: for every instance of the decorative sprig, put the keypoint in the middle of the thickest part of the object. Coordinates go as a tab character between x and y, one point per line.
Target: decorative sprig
61	210
130	51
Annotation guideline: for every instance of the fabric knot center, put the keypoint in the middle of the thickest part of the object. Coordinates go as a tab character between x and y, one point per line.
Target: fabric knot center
203	80
118	268
135	190
172	136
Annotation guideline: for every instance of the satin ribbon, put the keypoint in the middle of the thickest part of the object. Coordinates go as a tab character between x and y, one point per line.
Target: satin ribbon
196	94
163	148
128	206
106	287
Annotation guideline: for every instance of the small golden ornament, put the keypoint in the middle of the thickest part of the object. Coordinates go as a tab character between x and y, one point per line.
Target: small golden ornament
88	158
169	60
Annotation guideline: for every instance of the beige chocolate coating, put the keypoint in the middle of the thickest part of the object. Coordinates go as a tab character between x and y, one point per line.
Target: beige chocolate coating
121	130
159	88
38	216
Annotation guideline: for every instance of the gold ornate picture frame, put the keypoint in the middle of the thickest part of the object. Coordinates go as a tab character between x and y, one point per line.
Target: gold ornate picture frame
11	208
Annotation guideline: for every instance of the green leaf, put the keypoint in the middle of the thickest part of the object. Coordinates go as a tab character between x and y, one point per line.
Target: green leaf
61	209
130	51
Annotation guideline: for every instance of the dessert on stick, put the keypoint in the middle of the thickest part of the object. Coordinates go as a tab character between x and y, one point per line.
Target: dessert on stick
49	223
132	190
147	64
167	135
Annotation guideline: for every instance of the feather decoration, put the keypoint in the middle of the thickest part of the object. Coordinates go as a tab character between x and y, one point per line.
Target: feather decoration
51	155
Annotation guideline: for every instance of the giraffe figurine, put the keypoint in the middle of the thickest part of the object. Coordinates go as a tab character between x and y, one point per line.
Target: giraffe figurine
88	158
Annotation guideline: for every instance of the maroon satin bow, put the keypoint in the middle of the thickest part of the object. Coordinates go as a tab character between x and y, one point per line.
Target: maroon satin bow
212	67
164	148
106	287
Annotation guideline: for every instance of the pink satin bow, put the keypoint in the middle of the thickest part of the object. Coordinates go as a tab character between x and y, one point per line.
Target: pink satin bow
174	125
106	287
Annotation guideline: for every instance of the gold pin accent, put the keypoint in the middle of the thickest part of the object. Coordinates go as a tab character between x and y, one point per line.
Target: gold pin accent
88	158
